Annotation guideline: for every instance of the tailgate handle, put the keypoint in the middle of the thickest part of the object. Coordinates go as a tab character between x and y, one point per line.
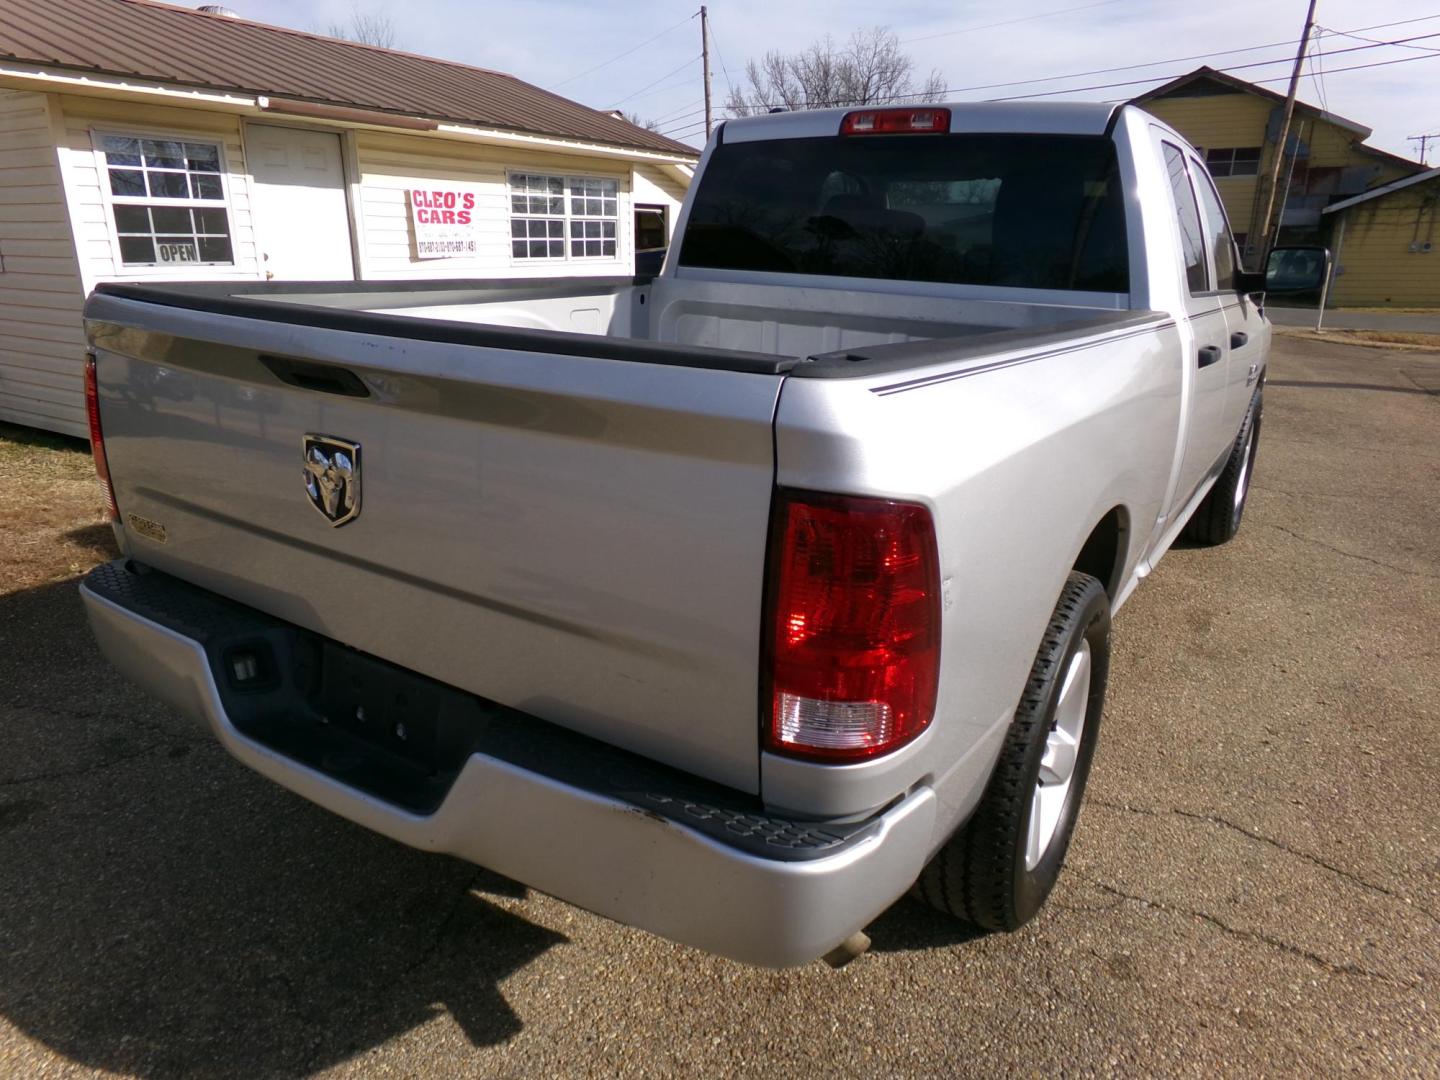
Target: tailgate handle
324	378
1210	354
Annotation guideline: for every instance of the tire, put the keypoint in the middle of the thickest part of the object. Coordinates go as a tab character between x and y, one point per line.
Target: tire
1217	518
997	870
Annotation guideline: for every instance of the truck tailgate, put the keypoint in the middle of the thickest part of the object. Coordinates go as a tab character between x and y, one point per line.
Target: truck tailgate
579	538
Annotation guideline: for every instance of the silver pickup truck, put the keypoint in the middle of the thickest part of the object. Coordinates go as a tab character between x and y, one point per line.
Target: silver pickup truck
731	604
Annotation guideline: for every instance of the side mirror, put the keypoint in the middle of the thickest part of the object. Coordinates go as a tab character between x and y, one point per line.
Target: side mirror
1289	270
1296	269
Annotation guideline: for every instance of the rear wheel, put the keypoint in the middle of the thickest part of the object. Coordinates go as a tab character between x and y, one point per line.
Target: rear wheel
997	870
1217	518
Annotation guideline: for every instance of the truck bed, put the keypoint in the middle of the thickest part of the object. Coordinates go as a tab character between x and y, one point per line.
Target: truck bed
684	322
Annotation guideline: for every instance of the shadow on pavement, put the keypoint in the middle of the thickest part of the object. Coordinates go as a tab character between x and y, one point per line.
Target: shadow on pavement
910	925
165	912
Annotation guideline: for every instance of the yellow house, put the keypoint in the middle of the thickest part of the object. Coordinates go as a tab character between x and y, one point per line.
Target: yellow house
142	141
1327	175
1385	244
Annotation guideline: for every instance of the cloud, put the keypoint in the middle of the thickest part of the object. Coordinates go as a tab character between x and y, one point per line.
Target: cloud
550	43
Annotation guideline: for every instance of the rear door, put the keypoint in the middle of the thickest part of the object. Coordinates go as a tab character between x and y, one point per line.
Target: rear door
1206	434
1246	326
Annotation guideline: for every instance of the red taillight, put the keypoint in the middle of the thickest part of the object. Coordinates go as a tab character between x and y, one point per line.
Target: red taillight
895	121
97	437
853	625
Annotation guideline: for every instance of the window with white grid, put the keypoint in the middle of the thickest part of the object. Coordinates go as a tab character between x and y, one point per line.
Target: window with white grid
167	200
560	217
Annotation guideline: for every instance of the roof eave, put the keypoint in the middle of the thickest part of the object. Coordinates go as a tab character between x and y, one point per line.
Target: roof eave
1383	190
1241	86
55	78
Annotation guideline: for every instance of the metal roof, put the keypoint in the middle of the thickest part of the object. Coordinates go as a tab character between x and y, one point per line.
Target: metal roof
1384	189
181	46
1202	74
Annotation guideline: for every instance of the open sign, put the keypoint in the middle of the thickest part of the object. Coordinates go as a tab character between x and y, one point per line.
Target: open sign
177	253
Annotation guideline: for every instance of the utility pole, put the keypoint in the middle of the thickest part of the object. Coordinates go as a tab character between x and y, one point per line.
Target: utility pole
1423	140
1289	178
705	62
1273	181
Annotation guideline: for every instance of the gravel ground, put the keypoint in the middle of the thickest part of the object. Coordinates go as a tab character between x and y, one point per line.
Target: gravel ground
1254	887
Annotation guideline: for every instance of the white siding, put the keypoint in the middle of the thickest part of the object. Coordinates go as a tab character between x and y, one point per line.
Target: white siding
658	187
94	242
392	164
57	240
42	347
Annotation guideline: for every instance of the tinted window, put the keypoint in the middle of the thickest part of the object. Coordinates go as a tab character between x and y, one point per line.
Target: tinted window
1192	246
1039	212
1217	232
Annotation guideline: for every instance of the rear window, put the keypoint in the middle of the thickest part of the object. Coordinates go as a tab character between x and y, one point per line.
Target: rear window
1028	211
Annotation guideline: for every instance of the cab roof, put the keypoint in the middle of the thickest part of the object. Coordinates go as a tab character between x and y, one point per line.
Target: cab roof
972	117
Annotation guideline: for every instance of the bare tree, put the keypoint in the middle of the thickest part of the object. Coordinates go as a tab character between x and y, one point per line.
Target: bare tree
366	27
634	118
869	69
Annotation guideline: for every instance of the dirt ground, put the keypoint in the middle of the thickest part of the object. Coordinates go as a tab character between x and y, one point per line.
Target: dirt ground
1254	888
1397	339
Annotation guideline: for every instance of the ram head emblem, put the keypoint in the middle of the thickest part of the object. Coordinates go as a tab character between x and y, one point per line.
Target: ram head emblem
332	477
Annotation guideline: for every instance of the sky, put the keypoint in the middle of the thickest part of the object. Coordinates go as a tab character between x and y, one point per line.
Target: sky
575	48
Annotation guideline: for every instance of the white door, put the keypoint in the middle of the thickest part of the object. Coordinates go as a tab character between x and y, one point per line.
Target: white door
302	222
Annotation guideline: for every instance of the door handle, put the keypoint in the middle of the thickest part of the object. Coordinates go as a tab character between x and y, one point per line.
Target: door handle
1210	354
323	378
1239	339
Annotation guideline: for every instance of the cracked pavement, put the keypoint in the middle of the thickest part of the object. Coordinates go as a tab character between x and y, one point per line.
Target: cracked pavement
1253	889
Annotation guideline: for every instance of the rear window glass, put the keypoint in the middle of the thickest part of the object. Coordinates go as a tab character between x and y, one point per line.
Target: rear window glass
1027	211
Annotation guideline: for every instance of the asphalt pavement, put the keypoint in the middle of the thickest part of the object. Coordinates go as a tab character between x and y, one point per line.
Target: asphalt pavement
1254	887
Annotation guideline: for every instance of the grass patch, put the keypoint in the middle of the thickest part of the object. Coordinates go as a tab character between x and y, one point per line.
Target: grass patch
52	515
1404	340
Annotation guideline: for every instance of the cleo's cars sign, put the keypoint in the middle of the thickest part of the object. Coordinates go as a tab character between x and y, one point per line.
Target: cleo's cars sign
444	222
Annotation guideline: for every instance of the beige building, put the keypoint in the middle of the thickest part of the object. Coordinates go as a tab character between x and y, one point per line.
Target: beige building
142	141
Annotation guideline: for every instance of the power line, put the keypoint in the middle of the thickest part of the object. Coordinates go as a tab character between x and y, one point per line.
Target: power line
1163	78
1231	67
1317	68
718	56
1424	141
677	122
698	129
1282	78
669	87
1184	59
626	53
676	114
680	127
1010	22
662	78
1357	37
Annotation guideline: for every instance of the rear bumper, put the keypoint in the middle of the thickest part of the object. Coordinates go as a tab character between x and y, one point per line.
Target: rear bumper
692	865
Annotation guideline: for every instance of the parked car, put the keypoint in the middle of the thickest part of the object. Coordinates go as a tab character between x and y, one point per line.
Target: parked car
734	604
